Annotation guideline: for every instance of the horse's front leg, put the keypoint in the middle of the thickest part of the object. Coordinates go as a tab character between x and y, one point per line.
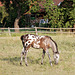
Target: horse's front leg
43	56
47	51
26	58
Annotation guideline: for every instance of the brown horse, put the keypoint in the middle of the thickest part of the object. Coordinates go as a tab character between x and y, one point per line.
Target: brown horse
44	42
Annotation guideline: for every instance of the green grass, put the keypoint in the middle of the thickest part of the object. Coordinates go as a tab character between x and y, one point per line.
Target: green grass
11	47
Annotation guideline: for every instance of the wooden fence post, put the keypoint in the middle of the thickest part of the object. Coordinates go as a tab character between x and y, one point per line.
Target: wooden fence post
60	30
36	31
9	31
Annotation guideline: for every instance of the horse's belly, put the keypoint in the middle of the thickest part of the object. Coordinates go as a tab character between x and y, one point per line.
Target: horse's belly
36	45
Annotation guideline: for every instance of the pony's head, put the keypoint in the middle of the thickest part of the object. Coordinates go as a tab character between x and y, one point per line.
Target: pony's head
56	58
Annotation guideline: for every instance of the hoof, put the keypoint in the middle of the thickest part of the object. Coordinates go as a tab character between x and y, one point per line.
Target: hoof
41	63
26	64
20	63
56	63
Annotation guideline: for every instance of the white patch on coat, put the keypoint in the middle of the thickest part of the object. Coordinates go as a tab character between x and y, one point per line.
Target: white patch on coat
28	43
23	49
30	36
36	46
38	42
34	39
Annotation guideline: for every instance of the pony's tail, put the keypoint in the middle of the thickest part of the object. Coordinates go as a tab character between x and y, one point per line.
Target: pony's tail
21	37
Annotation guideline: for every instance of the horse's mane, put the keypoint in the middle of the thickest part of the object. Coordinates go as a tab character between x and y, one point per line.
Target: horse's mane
55	44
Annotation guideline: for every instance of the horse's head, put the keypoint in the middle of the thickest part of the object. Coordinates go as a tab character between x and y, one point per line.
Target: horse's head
56	58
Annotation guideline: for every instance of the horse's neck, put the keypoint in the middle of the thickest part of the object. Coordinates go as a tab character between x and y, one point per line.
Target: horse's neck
54	47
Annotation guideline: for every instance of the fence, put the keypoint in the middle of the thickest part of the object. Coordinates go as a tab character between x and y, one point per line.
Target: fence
37	30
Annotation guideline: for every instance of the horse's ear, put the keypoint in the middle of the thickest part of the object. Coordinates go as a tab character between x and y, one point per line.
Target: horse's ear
22	37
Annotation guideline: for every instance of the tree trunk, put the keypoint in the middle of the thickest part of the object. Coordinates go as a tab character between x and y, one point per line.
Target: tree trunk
16	24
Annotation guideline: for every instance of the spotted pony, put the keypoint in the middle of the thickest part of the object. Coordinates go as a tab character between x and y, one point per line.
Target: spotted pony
44	42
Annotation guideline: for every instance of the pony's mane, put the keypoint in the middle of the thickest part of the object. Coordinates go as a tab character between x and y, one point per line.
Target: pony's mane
55	44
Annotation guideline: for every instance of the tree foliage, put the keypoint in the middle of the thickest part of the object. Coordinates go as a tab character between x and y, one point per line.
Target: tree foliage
68	9
17	9
3	14
13	12
62	16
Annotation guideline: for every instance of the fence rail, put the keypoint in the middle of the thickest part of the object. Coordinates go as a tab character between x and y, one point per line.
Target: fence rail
38	30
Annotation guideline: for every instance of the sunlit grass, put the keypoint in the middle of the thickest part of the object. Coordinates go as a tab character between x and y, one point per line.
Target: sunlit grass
10	50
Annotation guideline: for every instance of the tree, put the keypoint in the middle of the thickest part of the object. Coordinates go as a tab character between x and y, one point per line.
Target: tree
3	15
62	16
52	13
72	14
17	8
68	10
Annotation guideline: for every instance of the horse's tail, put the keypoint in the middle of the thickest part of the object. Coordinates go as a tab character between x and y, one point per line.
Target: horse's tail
22	37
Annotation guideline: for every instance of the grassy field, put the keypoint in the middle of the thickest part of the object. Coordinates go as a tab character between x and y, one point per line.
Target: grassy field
11	47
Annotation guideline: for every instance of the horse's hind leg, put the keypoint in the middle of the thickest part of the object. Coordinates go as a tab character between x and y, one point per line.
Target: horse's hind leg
47	51
22	53
43	56
26	58
21	57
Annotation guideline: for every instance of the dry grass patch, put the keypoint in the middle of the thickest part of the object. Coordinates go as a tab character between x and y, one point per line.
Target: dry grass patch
11	47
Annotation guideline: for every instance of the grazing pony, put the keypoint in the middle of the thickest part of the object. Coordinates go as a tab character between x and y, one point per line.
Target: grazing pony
35	41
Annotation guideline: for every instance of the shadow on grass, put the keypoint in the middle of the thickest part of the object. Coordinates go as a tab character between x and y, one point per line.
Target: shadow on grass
34	61
10	59
13	60
16	61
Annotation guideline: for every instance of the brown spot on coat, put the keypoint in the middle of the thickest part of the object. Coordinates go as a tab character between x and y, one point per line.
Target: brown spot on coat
28	41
